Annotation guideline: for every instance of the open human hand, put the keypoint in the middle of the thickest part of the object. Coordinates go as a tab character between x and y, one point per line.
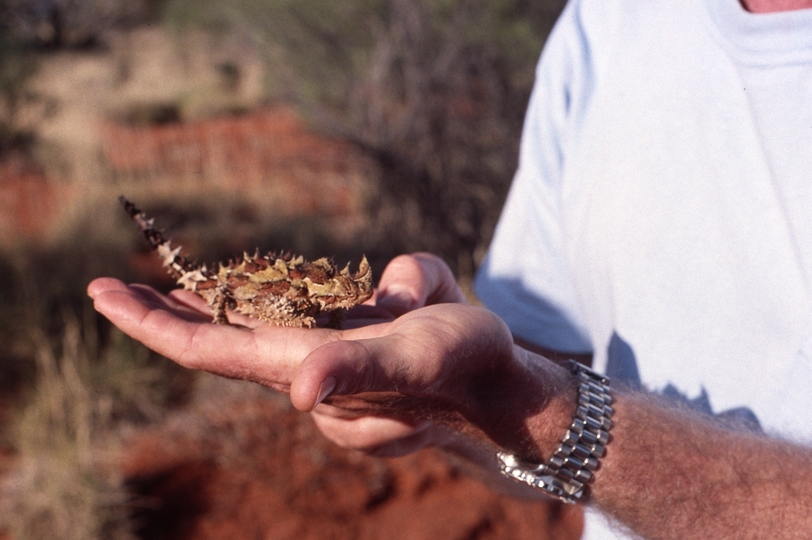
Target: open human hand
175	325
383	384
409	282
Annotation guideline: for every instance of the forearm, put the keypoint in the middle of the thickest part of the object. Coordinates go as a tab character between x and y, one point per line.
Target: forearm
670	473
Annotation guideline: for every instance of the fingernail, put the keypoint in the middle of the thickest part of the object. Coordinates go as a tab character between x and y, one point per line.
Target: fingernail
326	387
395	296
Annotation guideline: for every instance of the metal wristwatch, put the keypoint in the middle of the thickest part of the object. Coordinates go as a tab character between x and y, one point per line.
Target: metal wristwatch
572	465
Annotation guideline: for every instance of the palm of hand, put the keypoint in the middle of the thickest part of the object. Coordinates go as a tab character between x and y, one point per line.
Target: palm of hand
387	364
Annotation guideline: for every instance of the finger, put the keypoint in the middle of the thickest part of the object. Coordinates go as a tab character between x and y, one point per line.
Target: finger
190	299
182	302
358	316
368	312
147	294
318	375
353	367
356	323
423	354
155	320
104	284
383	437
178	305
268	355
366	315
412	281
196	302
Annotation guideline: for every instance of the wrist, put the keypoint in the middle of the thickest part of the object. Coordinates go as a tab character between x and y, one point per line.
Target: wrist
529	406
556	397
571	467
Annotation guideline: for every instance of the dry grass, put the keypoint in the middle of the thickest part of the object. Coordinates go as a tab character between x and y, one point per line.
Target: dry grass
65	486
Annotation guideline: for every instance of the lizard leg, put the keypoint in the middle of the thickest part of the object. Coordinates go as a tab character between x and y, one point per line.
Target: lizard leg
336	318
219	306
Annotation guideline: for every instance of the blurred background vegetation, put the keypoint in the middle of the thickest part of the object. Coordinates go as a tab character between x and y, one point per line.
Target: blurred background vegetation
328	127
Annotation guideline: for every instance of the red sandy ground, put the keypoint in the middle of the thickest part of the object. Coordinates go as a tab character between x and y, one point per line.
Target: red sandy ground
257	469
271	147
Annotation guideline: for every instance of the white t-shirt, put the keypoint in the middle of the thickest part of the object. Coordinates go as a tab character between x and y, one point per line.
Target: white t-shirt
661	216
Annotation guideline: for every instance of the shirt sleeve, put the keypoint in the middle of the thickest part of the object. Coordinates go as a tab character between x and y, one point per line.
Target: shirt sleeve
525	278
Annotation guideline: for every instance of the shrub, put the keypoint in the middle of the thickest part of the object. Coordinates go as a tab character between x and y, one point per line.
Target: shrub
65	486
434	90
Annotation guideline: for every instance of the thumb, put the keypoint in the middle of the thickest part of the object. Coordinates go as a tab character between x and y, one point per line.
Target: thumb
344	368
413	281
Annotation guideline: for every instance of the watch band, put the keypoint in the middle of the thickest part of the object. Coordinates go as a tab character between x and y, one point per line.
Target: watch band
572	465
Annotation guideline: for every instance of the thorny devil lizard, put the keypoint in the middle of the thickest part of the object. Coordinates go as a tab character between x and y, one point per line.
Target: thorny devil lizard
281	290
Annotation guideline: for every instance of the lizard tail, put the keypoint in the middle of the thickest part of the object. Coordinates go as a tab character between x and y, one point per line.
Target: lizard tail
176	264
